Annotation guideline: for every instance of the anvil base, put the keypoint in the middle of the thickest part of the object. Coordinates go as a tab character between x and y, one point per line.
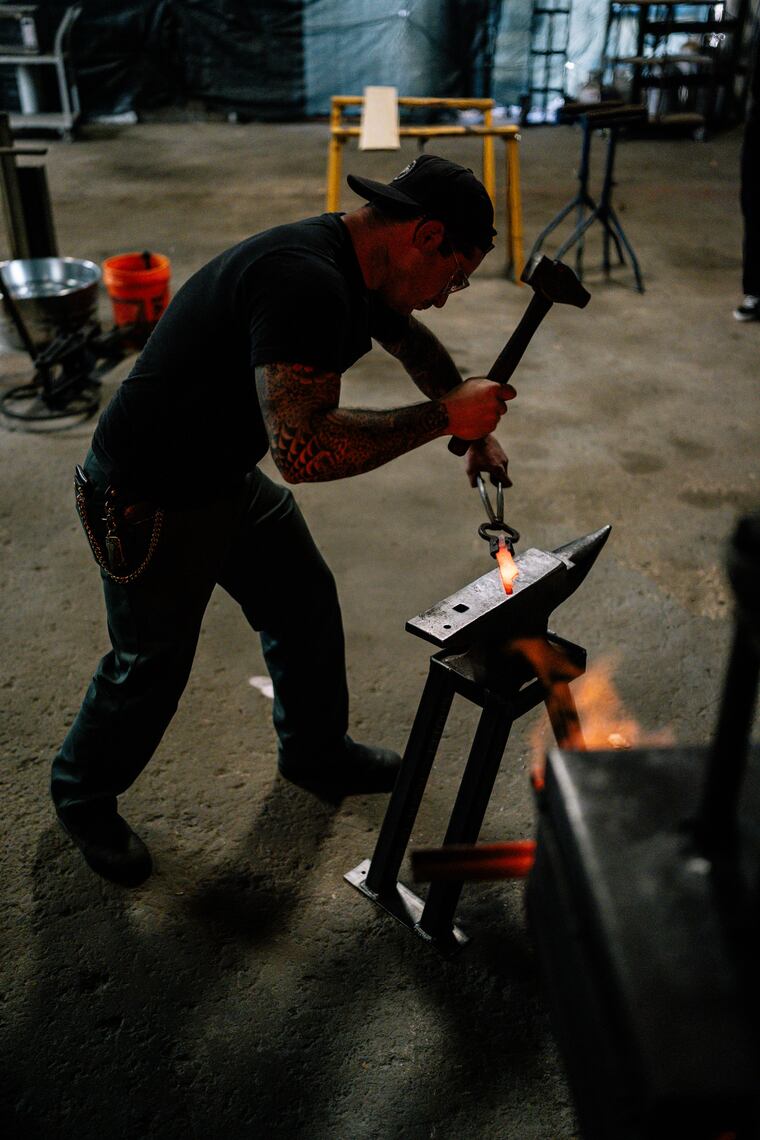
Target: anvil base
406	907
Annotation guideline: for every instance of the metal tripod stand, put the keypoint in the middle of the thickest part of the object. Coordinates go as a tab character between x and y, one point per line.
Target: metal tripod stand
602	211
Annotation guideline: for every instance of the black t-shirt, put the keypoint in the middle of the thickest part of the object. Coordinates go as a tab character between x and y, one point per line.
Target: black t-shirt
186	422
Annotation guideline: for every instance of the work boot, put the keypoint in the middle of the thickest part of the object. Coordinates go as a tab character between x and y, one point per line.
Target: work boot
361	770
109	845
749	310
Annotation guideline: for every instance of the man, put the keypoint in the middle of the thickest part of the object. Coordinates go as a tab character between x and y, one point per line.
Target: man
249	355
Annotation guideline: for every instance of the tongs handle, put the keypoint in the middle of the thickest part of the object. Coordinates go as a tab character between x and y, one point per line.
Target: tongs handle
498	517
495	526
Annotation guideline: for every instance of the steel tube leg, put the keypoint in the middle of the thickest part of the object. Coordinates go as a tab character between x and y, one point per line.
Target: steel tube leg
628	248
515	255
580	211
578	235
334	158
583	176
604	201
13	207
605	209
469	810
489	165
406	797
609	219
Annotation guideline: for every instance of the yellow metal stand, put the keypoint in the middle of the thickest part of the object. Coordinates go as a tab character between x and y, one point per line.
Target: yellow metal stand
340	133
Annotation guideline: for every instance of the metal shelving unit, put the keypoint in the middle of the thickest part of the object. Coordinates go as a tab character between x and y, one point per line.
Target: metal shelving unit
683	61
25	58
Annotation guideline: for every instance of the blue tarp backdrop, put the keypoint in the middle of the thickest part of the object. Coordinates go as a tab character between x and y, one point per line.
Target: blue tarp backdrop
421	47
283	59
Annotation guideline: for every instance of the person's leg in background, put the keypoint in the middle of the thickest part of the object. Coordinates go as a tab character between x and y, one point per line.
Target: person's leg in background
749	309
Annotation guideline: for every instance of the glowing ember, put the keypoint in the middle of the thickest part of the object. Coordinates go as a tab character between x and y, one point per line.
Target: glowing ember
507	565
590	715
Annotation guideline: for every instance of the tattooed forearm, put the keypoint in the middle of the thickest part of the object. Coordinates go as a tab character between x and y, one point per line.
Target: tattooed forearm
312	439
426	360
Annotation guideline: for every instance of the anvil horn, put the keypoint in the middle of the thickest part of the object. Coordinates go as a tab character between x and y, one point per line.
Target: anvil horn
481	613
581	554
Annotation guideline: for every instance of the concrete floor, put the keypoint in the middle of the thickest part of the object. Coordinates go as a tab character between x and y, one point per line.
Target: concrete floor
246	990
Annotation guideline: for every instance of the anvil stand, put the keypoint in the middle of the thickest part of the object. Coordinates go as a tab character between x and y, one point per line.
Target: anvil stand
610	118
505	686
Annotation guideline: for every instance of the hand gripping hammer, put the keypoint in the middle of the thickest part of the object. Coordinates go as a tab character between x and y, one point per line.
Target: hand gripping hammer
553	283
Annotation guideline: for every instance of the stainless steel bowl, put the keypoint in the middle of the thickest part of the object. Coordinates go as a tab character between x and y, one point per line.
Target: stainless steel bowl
51	294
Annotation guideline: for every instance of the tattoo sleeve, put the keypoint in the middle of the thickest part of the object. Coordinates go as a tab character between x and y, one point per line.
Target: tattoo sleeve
312	439
426	360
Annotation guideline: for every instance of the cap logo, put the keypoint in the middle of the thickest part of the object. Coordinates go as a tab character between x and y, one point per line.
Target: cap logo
406	170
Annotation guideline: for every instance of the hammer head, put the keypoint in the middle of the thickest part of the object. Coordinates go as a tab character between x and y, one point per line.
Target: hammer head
555	282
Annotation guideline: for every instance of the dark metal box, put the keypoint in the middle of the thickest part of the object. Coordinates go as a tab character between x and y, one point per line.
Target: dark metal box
649	949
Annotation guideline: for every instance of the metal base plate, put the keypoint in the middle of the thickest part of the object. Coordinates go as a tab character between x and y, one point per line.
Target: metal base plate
406	908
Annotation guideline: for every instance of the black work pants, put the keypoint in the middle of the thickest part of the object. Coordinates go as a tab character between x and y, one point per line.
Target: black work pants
256	545
750	172
750	200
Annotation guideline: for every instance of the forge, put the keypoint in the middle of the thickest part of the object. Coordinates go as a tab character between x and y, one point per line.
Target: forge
475	629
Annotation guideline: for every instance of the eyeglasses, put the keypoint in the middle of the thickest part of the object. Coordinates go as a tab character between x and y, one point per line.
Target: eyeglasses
458	281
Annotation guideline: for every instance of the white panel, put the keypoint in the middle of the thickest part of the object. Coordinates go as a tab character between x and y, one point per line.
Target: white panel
379	130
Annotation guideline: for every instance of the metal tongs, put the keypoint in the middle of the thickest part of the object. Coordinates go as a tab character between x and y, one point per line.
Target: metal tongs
496	527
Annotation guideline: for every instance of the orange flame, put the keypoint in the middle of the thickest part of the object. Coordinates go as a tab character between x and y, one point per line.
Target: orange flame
507	565
592	716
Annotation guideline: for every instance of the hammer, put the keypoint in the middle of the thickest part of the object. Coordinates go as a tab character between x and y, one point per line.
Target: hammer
553	283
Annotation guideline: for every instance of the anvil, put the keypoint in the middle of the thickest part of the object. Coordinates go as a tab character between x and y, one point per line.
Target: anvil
481	612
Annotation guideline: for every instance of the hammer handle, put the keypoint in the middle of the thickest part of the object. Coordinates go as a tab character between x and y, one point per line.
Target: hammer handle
510	356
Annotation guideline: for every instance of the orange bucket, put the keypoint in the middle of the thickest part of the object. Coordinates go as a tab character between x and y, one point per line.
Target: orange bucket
138	285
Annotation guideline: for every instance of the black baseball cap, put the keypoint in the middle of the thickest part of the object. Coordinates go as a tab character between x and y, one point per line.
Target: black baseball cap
440	189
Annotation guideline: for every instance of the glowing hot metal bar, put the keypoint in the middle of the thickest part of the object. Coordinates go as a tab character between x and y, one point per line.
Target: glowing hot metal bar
511	860
507	566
